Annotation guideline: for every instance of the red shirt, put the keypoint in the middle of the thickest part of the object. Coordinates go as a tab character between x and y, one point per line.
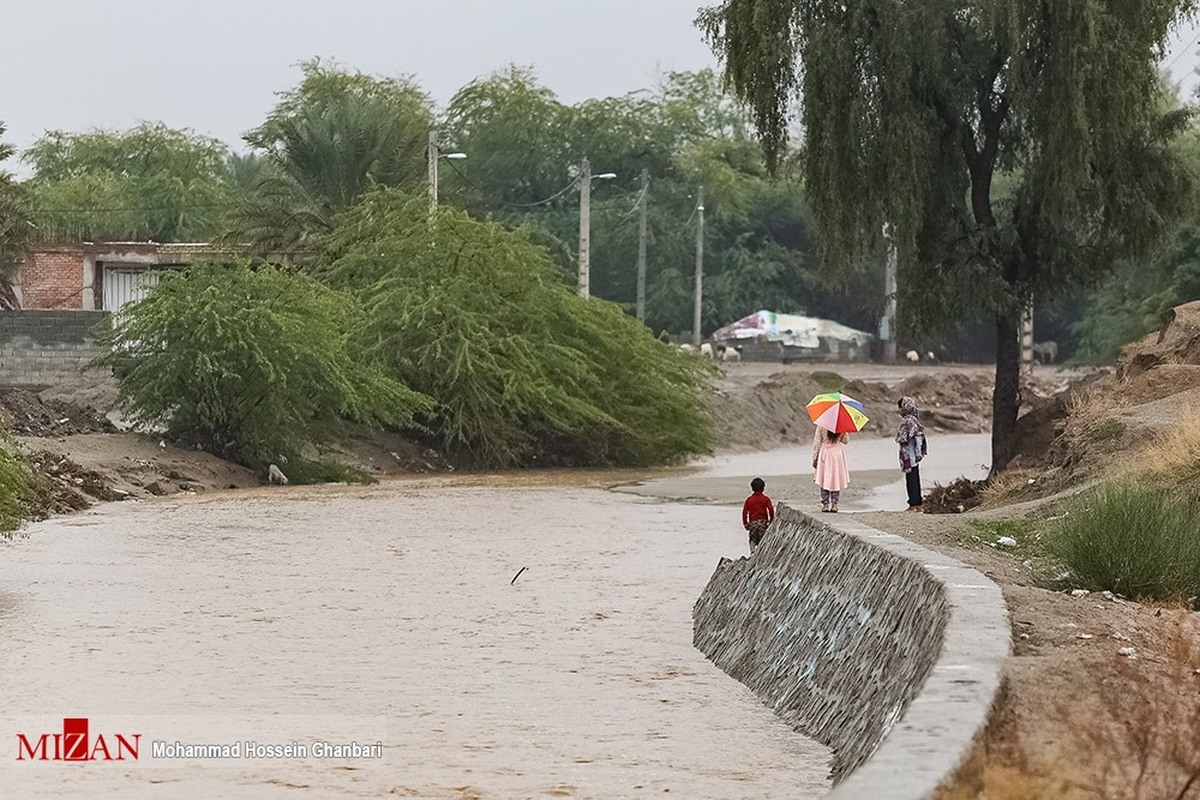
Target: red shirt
757	506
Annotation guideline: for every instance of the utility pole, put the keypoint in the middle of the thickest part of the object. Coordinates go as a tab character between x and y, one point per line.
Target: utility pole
1027	336
585	223
887	326
641	264
432	155
699	267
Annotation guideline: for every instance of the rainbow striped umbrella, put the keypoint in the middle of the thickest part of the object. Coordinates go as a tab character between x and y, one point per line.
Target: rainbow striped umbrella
837	412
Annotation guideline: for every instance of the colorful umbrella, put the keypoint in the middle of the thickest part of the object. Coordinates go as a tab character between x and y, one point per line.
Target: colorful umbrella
837	412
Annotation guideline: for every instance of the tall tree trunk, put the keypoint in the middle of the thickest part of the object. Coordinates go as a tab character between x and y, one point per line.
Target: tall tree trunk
1006	397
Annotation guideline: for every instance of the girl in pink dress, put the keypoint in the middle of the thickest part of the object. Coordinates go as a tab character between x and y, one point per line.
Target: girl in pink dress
829	466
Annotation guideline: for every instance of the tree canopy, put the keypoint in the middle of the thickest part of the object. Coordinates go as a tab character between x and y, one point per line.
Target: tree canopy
257	364
523	371
150	182
915	114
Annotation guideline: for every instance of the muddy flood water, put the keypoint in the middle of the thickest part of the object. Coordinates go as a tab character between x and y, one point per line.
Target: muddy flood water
387	614
475	637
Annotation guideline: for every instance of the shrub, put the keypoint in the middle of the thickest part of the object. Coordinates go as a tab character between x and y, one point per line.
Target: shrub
17	485
252	363
523	370
1134	539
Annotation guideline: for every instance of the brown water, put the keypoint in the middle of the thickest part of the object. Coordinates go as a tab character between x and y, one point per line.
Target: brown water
388	614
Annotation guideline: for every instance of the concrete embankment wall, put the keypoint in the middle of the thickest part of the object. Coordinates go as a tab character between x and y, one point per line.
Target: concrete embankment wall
886	652
42	348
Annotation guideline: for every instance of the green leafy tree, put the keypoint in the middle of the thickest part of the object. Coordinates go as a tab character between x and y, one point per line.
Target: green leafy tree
327	141
252	363
524	145
910	112
15	228
523	371
149	182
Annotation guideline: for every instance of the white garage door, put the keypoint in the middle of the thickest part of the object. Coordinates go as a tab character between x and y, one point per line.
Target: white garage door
123	286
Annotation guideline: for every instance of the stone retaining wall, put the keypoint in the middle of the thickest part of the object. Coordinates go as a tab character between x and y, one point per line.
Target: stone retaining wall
887	653
42	348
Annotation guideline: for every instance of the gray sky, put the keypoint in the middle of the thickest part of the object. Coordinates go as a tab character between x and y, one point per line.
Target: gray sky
214	66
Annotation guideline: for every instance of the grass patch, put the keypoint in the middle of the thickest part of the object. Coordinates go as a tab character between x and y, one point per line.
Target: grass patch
1134	539
1110	430
1027	534
828	381
18	491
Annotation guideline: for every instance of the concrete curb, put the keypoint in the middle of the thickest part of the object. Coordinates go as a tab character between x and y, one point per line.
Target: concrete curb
937	730
886	652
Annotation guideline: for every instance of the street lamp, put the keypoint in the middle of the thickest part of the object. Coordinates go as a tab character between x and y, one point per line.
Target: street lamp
433	154
585	223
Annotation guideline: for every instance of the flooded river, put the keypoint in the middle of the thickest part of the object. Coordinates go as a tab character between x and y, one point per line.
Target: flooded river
507	637
388	615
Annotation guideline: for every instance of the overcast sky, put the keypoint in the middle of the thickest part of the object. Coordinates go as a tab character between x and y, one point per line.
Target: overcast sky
214	66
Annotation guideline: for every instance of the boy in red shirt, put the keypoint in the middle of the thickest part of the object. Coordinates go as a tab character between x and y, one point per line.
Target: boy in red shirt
757	512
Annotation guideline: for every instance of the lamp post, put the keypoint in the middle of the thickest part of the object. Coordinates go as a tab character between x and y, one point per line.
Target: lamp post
585	224
432	155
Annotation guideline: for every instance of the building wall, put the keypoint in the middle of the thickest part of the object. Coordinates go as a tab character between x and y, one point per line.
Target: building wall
43	348
52	278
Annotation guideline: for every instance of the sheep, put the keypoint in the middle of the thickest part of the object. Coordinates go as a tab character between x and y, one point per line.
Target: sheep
731	354
687	348
1045	352
930	356
275	475
706	350
912	356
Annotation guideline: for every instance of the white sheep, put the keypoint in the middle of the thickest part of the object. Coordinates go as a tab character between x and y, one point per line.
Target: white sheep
912	356
706	350
731	354
275	475
687	348
930	356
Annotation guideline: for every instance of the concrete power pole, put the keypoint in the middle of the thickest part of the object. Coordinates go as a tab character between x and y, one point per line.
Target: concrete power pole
696	337
1027	337
887	326
433	156
585	222
641	263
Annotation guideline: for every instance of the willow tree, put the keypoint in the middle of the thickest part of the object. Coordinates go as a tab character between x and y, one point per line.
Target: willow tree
1010	148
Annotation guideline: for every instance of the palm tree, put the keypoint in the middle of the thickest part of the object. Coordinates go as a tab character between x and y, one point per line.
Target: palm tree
329	140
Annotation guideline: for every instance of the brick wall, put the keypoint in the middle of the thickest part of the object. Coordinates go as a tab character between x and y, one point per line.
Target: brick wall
42	348
52	278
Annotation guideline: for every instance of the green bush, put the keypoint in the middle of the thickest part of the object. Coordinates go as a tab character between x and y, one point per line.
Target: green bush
17	485
523	370
1136	540
252	363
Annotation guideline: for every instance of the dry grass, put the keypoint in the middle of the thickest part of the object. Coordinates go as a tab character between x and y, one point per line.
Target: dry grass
1087	408
1136	737
1172	456
1159	725
1010	486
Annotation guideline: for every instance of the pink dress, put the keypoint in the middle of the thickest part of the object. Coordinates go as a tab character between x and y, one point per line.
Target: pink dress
831	472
